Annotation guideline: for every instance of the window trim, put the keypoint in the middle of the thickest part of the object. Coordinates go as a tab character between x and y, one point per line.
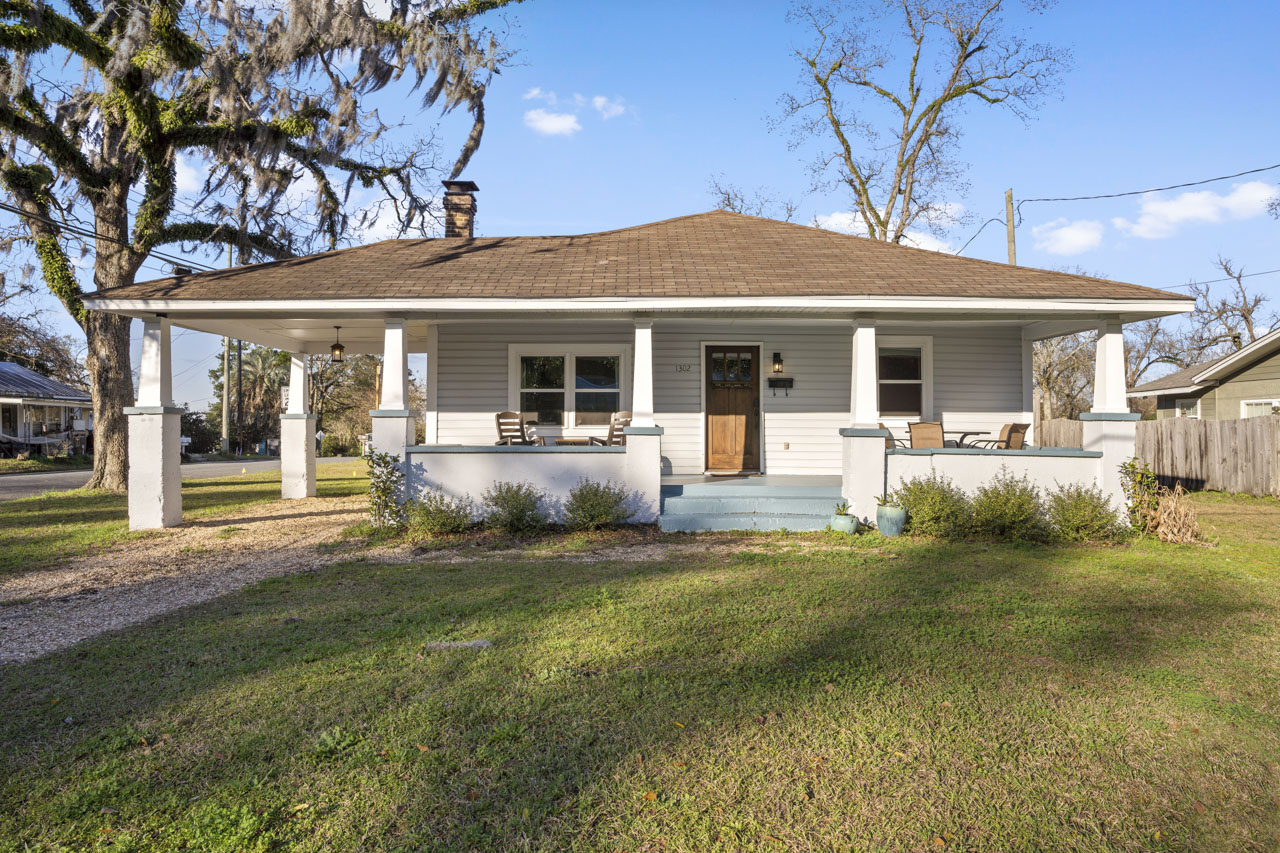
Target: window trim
1178	410
570	352
925	344
1244	403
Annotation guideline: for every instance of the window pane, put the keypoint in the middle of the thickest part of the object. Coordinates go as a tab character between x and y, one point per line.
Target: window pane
744	366
900	363
1257	410
545	408
717	368
597	371
731	367
594	408
900	400
541	371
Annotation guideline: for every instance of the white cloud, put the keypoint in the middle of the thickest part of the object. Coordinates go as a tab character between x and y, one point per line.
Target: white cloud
552	124
608	108
536	94
1162	217
1065	237
848	222
188	176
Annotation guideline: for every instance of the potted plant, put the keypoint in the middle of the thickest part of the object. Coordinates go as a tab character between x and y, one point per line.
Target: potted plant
890	518
844	520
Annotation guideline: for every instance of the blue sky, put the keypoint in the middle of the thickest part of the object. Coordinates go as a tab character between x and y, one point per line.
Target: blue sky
652	99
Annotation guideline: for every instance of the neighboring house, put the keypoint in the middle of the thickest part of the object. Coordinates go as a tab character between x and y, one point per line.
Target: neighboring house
36	410
739	345
1243	384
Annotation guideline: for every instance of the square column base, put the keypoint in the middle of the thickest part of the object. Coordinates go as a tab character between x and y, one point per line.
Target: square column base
155	467
393	431
1115	435
644	471
862	473
297	456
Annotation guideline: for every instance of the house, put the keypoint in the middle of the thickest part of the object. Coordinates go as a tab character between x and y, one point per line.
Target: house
37	412
740	345
1242	384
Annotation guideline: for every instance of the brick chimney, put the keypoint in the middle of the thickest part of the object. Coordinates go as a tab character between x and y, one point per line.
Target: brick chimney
460	209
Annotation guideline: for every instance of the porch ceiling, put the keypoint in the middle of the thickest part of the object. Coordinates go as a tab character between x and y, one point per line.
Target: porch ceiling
312	331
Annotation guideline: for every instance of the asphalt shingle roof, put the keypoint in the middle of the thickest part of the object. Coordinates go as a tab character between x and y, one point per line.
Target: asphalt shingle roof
19	381
715	254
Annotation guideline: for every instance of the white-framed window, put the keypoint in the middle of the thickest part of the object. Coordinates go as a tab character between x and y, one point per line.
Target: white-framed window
904	377
1187	408
567	387
1259	408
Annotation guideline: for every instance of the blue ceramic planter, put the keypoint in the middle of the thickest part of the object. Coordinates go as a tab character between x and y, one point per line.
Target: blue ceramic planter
844	523
890	520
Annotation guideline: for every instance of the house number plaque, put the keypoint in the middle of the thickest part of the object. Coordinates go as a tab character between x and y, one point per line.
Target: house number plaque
684	368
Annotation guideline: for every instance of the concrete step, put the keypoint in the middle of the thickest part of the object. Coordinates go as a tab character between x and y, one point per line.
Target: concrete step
693	522
750	488
778	504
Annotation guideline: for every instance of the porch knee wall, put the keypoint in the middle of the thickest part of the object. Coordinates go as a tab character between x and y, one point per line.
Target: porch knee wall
1115	436
297	456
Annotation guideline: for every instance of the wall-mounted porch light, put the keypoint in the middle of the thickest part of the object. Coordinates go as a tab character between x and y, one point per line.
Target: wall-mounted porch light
337	352
777	362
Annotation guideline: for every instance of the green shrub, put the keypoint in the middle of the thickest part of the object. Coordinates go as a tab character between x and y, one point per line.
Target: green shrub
332	445
1082	514
595	506
1009	508
436	514
515	507
1142	491
386	486
935	507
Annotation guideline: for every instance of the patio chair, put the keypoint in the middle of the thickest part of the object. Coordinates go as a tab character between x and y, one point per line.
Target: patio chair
891	441
1012	437
618	422
511	431
926	434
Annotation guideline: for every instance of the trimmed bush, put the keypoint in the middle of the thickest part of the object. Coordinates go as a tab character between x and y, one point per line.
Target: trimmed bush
935	507
515	507
595	506
1009	508
1081	514
436	514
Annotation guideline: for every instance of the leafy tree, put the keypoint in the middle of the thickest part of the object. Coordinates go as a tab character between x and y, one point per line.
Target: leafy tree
891	141
26	341
97	100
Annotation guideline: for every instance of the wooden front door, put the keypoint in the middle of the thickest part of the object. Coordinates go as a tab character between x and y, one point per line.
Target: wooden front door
733	408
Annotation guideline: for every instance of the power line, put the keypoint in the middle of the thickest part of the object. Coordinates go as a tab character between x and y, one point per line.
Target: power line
979	231
1151	190
1227	278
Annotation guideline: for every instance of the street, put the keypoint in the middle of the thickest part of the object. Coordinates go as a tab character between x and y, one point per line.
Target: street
13	486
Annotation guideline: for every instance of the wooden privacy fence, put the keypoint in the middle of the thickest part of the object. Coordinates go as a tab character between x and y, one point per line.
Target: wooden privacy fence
1224	456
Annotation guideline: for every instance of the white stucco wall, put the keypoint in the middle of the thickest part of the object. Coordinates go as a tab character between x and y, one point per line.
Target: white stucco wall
970	471
977	381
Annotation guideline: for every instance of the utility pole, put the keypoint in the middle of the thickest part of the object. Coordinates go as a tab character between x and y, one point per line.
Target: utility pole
226	384
239	397
1008	223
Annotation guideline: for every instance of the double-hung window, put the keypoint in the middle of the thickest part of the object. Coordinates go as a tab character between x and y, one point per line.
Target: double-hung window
1188	408
1259	408
904	377
567	387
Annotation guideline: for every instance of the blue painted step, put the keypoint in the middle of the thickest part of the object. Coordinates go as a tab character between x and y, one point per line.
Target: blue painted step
748	504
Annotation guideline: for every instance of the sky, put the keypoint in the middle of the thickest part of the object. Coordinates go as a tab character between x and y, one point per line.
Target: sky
616	114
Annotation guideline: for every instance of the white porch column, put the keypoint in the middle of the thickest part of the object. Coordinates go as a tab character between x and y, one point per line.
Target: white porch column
392	420
1029	387
155	432
862	444
642	376
431	417
864	407
298	435
1108	372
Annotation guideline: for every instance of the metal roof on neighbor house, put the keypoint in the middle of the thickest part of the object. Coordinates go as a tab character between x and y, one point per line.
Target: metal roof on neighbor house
19	381
715	254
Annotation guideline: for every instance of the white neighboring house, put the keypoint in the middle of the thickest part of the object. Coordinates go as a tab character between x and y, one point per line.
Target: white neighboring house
741	346
37	412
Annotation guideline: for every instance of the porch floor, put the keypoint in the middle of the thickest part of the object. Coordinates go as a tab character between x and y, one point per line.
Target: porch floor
748	502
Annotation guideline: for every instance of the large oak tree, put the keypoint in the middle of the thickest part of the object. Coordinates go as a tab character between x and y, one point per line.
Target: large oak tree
98	98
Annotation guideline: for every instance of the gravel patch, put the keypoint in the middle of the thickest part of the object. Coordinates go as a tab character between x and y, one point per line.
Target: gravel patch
144	578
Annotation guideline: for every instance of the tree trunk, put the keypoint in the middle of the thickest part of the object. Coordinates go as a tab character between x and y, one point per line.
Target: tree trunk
112	382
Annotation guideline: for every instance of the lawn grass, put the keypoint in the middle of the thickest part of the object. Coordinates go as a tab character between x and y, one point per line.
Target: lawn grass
793	695
38	464
48	529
